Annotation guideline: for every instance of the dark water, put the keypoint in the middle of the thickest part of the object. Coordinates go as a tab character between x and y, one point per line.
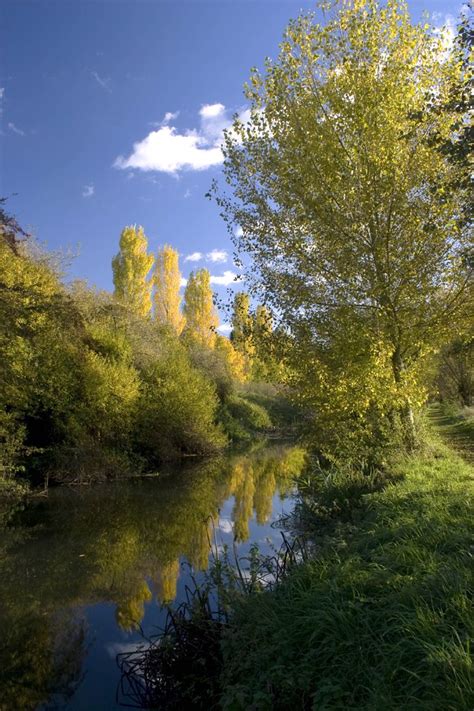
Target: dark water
83	570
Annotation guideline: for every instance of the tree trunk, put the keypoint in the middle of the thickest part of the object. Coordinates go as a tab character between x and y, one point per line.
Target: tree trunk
406	411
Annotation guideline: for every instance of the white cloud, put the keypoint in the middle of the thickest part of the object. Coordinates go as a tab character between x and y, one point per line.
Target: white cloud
245	115
104	82
15	129
217	255
183	282
168	150
225	328
170	116
211	110
88	191
225	279
214	121
194	257
224	524
187	194
238	232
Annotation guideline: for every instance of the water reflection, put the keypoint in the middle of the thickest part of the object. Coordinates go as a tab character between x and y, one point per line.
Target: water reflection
119	544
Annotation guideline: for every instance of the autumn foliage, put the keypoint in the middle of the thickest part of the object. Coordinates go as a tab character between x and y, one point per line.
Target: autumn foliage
97	384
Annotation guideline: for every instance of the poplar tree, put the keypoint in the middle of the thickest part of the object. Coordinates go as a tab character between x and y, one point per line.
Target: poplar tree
241	334
199	311
167	282
233	359
130	270
264	365
349	211
263	323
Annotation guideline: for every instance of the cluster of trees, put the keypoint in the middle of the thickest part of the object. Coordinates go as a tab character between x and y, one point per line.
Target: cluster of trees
350	186
94	384
195	320
251	337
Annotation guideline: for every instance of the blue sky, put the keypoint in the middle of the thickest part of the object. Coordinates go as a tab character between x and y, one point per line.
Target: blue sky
82	83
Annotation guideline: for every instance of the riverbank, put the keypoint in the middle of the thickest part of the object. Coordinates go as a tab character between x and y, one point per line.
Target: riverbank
381	618
250	415
376	615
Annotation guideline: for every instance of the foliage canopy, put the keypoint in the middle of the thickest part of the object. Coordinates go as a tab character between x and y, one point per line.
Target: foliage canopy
350	211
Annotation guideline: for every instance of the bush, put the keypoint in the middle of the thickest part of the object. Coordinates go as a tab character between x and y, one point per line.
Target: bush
177	409
215	366
111	392
242	418
284	413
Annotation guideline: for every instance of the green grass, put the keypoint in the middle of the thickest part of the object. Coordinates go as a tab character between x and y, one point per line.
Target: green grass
381	618
456	425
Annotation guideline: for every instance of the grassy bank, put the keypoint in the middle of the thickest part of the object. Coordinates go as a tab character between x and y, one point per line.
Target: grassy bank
381	618
456	425
377	616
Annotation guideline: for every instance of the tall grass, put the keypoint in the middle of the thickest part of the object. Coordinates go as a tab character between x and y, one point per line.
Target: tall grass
374	612
181	666
381	618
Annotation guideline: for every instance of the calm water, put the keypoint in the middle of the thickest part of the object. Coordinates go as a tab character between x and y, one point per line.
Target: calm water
83	570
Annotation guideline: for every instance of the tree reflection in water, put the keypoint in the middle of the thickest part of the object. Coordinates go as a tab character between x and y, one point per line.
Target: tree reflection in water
122	544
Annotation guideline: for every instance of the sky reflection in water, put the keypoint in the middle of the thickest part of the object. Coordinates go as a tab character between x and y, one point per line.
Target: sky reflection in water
96	563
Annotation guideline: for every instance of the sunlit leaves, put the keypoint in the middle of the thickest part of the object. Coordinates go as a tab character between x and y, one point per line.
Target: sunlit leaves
348	208
199	310
131	267
167	283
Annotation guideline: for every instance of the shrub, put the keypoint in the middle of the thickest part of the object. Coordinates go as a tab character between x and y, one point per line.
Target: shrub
242	418
177	409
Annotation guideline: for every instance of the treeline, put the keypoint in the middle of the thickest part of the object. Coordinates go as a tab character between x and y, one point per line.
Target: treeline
97	384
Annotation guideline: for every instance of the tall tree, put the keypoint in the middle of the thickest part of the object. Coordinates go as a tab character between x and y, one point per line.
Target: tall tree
263	323
200	313
241	334
232	359
167	282
347	208
264	366
130	269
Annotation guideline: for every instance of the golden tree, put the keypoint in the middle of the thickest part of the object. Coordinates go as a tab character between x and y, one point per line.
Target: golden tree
130	270
233	359
199	310
241	334
167	282
264	364
263	323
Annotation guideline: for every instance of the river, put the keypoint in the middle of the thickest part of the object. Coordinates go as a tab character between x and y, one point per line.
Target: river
84	571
